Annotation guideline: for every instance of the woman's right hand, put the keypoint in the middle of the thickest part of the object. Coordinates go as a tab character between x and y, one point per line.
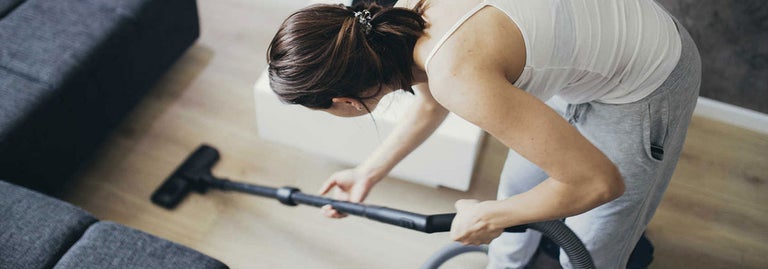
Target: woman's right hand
351	185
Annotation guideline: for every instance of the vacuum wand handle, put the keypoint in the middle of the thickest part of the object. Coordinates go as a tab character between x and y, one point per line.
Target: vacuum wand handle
442	223
405	219
409	220
292	196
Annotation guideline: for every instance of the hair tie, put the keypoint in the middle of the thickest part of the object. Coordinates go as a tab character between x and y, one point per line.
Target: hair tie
364	18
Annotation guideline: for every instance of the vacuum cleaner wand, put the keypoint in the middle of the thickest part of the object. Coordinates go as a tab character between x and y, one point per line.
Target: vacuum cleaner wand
194	174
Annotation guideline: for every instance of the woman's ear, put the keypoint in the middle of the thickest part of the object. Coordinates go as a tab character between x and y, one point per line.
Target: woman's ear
348	102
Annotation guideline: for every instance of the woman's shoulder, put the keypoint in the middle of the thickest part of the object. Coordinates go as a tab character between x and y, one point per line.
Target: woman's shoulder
463	36
440	17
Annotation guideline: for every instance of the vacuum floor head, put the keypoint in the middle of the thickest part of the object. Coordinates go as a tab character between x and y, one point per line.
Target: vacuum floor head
193	174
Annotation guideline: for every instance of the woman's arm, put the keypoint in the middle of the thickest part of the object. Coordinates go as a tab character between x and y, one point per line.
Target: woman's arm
417	124
471	78
419	121
581	176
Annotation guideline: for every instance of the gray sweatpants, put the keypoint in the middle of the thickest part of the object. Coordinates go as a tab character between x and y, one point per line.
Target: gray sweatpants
644	139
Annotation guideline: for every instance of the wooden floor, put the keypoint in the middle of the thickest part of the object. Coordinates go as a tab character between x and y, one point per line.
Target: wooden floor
714	215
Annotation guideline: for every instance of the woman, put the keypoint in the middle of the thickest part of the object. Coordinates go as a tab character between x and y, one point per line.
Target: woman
629	72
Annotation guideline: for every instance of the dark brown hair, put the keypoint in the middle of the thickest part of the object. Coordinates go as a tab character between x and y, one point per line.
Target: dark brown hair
322	52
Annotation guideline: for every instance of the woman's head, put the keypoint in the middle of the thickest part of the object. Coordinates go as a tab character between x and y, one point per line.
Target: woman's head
324	52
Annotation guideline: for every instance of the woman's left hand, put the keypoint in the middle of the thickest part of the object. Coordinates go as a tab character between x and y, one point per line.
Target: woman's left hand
471	226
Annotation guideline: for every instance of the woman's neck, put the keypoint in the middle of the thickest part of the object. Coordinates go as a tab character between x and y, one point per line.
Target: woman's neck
419	75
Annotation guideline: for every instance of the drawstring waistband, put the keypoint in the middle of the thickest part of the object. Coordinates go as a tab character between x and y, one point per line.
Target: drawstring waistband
575	111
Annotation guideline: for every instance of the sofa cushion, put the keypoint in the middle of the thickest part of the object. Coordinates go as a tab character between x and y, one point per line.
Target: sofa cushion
36	230
110	245
44	44
48	40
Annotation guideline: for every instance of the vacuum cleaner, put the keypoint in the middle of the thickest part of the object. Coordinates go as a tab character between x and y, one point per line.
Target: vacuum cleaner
194	174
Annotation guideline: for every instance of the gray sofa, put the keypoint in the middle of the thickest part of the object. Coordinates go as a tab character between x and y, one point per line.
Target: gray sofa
37	231
70	70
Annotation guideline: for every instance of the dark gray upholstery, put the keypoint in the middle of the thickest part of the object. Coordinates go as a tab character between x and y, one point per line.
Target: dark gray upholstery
6	6
64	31
35	230
69	72
105	245
14	103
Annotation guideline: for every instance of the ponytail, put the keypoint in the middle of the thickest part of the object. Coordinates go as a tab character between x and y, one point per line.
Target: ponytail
327	51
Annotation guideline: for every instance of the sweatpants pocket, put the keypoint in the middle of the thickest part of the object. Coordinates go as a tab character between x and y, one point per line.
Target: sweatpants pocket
656	127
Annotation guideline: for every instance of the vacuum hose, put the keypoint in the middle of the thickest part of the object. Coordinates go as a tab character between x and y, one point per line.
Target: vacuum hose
567	240
556	231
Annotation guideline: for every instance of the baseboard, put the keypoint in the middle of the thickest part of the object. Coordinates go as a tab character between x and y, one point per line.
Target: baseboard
734	115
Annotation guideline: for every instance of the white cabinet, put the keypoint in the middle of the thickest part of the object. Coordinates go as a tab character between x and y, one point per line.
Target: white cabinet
445	159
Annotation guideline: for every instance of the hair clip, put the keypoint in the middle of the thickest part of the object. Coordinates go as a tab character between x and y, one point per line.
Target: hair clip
364	18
